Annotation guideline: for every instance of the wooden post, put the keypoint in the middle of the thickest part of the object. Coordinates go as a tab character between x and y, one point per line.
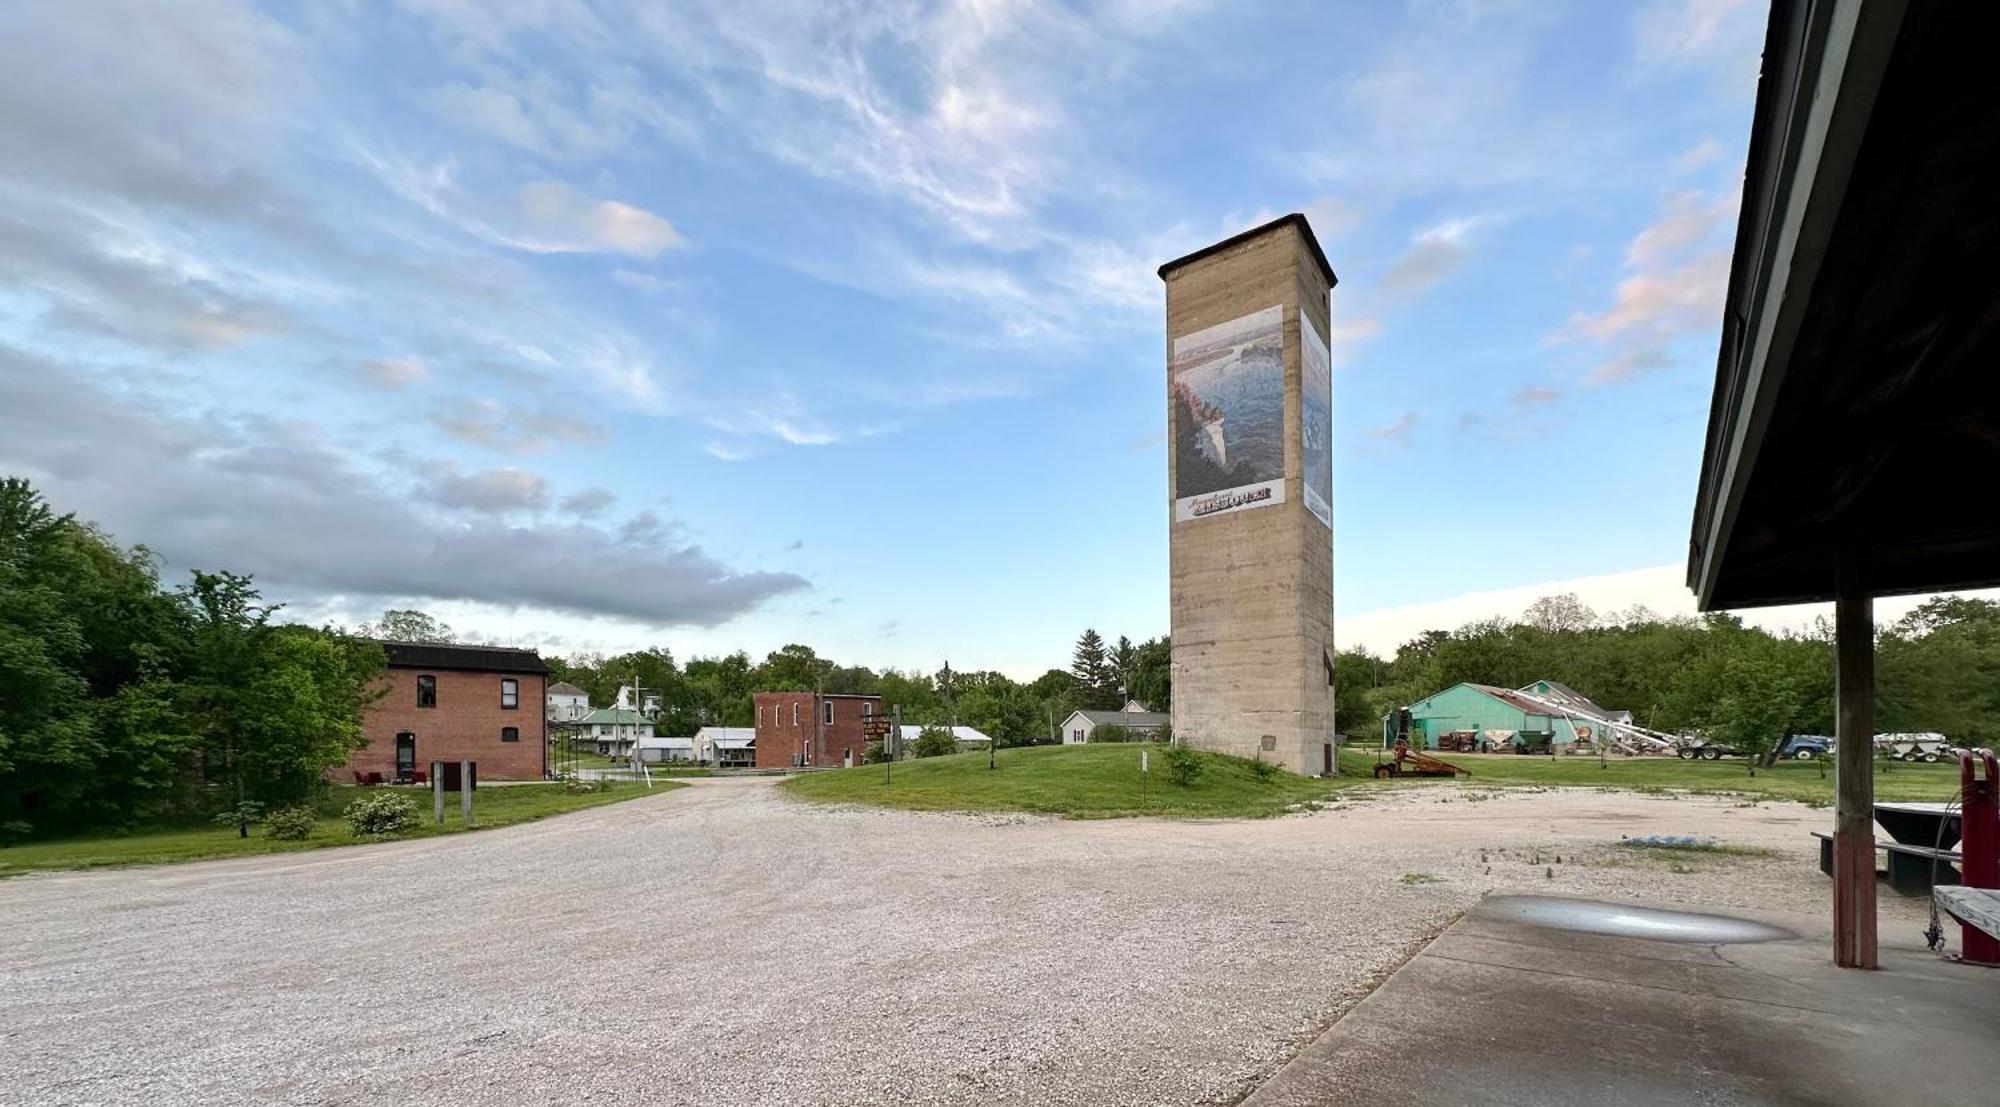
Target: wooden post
437	791
1854	770
465	801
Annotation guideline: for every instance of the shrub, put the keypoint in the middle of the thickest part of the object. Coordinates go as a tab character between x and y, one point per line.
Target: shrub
876	754
933	741
1111	732
584	785
240	816
1184	766
291	824
382	815
1264	770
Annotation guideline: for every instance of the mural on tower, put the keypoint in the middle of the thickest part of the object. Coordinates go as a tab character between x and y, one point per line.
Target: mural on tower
1229	416
1316	420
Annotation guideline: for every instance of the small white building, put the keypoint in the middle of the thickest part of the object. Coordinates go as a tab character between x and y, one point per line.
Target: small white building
567	703
726	747
663	751
1143	725
614	731
645	701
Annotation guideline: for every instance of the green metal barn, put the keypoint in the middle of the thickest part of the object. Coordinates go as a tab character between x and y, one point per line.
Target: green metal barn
1543	714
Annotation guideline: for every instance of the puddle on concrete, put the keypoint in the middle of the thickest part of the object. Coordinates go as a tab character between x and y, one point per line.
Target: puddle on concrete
1620	921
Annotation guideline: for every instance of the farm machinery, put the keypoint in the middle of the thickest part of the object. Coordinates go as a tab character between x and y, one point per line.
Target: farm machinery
1405	761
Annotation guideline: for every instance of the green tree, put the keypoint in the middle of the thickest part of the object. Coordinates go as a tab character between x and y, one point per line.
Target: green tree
408	626
272	708
933	741
1153	674
1095	683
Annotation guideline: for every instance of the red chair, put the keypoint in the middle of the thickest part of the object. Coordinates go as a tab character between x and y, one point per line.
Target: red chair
418	776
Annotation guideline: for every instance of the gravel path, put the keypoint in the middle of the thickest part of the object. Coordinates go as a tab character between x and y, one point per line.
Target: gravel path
722	944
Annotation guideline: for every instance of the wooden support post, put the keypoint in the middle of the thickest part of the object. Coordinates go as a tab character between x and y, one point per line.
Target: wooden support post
1854	770
437	791
465	808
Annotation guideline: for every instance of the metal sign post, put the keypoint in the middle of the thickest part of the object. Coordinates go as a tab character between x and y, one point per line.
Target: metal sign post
1145	770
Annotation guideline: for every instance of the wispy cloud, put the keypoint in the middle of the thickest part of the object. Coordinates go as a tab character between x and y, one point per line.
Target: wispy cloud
1433	255
488	491
1396	433
1677	272
395	372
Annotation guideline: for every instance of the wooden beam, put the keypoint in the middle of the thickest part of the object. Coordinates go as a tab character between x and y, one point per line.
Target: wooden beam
1854	769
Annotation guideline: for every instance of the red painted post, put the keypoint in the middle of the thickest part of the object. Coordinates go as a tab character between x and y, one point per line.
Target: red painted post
1979	848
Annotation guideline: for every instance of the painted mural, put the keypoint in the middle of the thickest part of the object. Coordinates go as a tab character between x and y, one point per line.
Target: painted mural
1229	416
1316	420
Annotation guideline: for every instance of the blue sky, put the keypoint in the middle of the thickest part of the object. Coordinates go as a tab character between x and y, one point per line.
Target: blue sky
728	325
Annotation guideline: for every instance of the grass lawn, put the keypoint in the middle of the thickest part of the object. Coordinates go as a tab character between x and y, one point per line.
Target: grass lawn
492	806
1789	780
1103	781
1080	782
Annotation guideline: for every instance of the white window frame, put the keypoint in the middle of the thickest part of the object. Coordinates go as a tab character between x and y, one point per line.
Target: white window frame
829	712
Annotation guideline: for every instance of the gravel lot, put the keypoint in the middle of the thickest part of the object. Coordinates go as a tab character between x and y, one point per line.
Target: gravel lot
722	944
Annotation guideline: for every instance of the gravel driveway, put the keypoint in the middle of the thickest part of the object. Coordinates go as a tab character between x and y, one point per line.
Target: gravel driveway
722	944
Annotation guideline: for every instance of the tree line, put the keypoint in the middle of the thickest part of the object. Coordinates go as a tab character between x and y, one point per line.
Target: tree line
1936	669
123	701
716	691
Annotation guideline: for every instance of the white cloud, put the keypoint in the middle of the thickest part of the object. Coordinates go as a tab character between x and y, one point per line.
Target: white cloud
480	421
1692	32
1433	255
1677	274
642	282
1661	588
489	491
396	372
1397	432
1698	156
555	219
1349	333
278	500
1685	219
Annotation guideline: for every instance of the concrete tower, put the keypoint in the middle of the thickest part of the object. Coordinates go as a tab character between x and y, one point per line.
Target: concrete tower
1250	483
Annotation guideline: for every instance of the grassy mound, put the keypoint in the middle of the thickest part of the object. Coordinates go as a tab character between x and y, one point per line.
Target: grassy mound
1079	782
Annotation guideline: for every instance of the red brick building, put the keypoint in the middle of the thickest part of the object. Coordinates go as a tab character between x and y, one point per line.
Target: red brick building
808	728
458	703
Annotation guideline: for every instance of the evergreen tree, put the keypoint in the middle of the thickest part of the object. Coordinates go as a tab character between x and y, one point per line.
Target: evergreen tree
1096	684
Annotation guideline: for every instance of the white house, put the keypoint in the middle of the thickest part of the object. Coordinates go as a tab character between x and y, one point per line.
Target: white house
726	747
1143	725
614	730
646	701
660	751
567	703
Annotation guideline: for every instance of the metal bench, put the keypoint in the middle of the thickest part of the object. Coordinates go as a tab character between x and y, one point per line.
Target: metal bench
1913	870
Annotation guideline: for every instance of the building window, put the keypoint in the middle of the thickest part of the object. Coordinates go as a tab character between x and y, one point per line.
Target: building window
510	694
427	691
1077	734
829	713
510	734
795	714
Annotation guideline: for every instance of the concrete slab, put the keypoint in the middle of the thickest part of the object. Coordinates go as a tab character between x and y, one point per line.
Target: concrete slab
1501	1011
